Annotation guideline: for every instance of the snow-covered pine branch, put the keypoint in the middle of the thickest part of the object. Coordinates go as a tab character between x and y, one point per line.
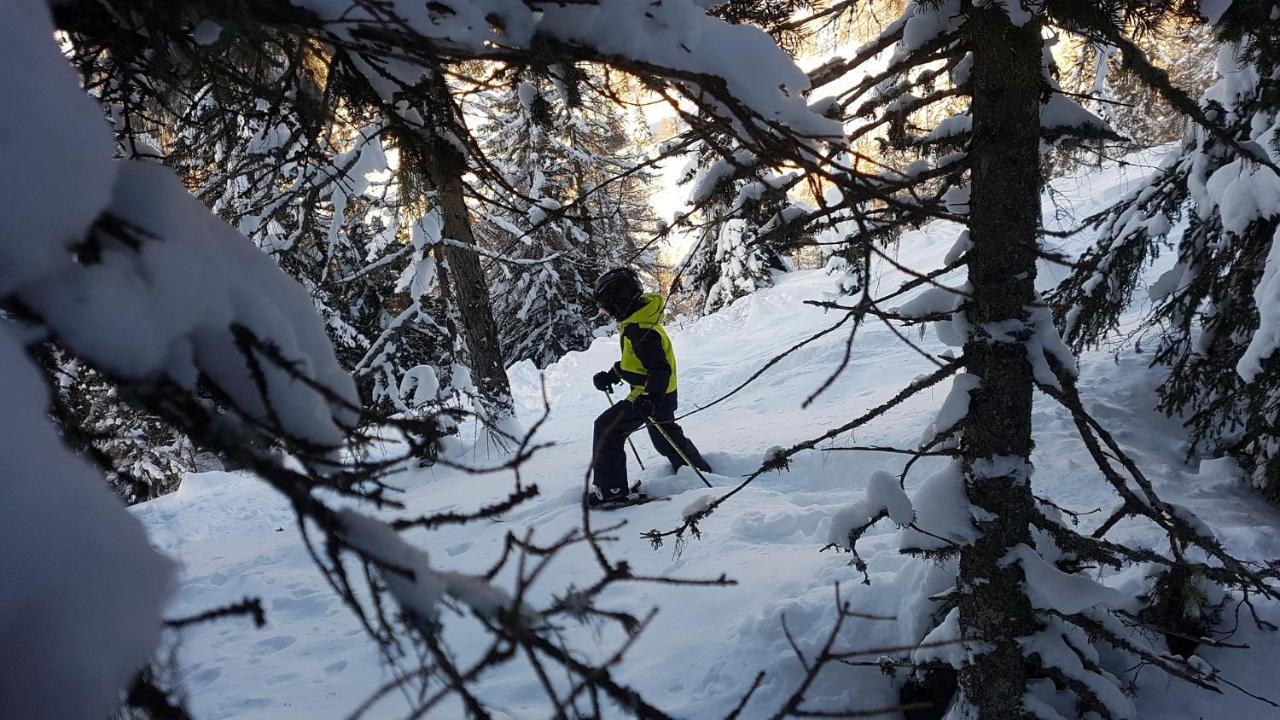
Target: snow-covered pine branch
1213	318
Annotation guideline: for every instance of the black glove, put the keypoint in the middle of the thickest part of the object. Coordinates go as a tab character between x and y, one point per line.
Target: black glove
605	380
643	404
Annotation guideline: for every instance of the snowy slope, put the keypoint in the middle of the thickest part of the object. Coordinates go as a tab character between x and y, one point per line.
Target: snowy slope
234	538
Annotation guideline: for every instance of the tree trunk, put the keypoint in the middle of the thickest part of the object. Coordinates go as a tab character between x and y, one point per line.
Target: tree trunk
1004	215
445	166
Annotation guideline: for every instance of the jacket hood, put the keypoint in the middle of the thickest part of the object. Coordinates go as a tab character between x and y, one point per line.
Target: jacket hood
651	313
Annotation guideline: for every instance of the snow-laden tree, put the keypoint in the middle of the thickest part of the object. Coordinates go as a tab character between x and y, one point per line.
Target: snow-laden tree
313	181
739	222
143	456
739	217
963	98
611	176
568	199
1216	200
329	177
115	262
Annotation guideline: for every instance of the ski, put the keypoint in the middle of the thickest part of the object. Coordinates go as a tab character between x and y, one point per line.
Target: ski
629	502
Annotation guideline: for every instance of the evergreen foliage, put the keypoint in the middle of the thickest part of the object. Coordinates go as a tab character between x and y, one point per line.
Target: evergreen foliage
740	225
1213	203
569	200
308	179
142	456
1186	51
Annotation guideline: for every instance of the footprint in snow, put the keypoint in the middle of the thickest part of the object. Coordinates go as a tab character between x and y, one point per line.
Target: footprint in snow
275	644
282	678
216	579
204	677
305	605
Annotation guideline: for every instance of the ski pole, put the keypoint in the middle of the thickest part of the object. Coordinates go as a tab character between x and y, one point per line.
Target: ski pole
679	452
629	442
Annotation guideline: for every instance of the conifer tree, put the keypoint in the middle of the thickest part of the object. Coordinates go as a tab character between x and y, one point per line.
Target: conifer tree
610	175
1214	320
543	304
311	186
740	228
1184	49
570	202
143	456
742	224
310	181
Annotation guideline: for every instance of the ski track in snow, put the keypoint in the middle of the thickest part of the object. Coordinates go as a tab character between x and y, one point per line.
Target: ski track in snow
234	537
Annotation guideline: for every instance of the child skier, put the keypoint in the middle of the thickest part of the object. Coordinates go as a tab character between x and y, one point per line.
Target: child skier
648	365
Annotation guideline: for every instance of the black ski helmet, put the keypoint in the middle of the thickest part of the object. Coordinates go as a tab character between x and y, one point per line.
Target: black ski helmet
617	290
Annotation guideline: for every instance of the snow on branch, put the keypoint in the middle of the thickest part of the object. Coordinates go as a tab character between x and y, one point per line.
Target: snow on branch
78	566
167	287
1266	297
1051	589
119	264
409	576
676	36
884	498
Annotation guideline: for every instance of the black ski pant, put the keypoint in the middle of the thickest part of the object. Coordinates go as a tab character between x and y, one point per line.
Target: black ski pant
609	444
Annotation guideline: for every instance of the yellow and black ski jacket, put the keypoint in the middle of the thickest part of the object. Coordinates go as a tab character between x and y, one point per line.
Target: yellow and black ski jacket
648	364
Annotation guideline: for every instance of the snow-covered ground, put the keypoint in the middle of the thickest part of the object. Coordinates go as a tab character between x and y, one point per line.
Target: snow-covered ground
234	537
